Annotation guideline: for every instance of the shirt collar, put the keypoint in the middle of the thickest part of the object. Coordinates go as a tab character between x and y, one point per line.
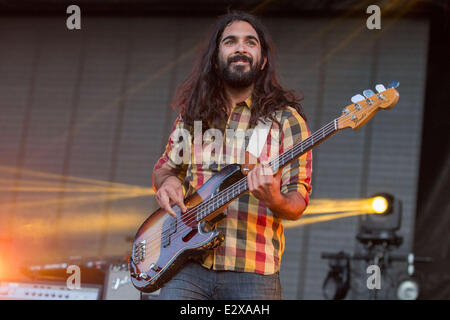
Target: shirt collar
247	102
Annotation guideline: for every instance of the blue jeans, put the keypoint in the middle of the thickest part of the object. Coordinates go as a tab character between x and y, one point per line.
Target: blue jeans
195	282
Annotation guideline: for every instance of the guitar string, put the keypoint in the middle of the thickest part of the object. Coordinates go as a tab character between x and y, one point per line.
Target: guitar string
191	213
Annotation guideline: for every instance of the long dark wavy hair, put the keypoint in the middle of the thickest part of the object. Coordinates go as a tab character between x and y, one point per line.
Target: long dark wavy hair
202	96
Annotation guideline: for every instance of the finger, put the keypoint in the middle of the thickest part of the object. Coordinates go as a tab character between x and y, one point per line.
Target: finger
181	196
161	198
266	175
256	185
278	175
183	206
177	197
170	211
266	170
165	203
250	181
258	177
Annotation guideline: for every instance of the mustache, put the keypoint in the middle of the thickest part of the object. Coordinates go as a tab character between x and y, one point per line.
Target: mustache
240	57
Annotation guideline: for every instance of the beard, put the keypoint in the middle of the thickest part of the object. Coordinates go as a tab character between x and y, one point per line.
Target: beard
235	76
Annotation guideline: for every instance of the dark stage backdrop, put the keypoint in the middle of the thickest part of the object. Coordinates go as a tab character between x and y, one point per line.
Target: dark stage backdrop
94	104
432	232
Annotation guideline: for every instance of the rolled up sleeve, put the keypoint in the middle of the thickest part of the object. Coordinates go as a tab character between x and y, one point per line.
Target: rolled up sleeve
296	176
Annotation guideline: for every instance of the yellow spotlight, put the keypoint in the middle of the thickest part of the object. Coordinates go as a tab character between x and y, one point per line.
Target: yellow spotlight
380	204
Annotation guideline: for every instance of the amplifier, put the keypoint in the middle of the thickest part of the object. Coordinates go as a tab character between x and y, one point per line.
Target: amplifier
36	290
118	285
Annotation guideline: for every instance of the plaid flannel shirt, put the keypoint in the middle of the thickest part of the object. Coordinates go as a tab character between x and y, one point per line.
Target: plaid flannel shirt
254	237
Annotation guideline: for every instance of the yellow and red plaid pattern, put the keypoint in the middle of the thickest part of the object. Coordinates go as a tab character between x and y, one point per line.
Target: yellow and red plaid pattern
254	237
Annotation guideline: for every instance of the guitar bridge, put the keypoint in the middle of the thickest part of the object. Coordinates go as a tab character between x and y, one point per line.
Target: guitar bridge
138	254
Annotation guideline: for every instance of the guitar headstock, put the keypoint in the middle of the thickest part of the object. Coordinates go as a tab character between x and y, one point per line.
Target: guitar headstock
364	107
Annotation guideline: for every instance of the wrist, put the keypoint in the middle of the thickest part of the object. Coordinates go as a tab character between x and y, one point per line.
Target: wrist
171	180
276	200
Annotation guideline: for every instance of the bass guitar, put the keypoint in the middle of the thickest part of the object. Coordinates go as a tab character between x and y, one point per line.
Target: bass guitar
163	244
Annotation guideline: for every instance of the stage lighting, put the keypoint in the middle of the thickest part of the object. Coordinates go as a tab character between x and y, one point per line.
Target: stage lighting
380	227
408	289
337	282
380	204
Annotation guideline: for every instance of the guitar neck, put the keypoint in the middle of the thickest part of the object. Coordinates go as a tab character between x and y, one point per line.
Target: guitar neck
240	187
299	149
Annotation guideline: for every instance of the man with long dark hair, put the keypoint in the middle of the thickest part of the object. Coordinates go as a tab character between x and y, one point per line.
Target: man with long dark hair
234	86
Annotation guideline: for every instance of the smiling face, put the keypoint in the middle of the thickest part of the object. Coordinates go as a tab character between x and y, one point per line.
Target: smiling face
239	55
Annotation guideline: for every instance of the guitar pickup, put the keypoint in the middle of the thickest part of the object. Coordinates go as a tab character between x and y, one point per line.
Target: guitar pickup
171	229
173	226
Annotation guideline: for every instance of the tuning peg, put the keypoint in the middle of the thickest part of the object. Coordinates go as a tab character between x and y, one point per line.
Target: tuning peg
368	93
357	98
380	88
394	84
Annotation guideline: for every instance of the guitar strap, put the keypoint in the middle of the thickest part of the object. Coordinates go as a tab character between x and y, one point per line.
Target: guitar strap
259	137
